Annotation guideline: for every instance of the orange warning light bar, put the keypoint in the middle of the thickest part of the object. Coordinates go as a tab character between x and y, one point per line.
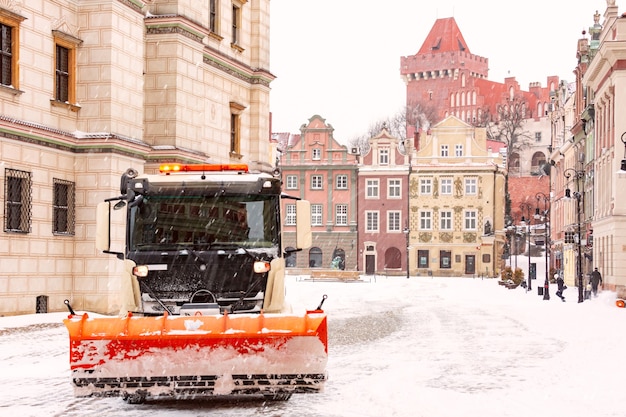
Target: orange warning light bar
169	168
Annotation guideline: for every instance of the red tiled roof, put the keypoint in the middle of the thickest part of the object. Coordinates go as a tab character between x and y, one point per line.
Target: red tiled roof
445	36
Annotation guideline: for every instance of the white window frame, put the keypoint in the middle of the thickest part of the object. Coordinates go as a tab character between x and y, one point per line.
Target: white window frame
290	215
341	215
383	156
426	186
426	219
292	182
471	186
341	182
394	188
317	215
445	151
445	220
316	154
445	186
317	182
372	223
394	221
372	187
470	219
458	150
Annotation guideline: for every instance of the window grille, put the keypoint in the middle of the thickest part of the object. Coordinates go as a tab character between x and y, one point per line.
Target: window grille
63	207
17	197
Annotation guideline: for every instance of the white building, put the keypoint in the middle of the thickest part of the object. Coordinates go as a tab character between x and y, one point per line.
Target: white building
91	88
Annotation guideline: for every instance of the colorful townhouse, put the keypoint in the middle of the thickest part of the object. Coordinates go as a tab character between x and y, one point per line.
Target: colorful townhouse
383	185
456	202
315	167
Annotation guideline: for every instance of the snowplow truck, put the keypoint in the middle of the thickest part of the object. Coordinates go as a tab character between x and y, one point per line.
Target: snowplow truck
203	311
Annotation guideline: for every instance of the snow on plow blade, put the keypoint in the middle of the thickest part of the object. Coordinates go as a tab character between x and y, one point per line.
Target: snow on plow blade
274	355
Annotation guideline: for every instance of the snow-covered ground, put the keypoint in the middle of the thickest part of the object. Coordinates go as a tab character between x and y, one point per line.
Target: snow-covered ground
397	347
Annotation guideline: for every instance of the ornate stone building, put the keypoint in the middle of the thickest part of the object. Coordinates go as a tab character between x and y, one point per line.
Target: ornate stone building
456	206
91	88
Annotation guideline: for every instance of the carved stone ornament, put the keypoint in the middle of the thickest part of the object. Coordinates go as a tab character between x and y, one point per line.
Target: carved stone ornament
11	5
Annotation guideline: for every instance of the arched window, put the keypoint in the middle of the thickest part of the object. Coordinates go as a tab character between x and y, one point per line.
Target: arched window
315	257
537	162
393	258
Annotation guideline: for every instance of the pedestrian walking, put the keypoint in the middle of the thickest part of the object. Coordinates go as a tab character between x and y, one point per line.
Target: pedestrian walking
560	287
596	279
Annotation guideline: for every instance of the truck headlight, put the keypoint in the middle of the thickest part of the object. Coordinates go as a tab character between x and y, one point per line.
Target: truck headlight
140	271
261	267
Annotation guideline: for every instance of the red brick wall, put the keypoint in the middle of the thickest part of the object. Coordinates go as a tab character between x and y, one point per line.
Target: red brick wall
524	190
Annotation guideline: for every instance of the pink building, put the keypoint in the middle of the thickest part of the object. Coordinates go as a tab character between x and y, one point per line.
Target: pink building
317	168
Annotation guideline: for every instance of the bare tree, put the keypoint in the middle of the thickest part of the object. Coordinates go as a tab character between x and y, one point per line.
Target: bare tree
415	114
508	125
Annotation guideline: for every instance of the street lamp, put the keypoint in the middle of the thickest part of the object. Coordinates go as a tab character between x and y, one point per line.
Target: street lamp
546	221
528	208
578	175
406	233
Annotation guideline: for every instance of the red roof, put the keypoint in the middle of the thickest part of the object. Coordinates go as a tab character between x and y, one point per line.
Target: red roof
445	36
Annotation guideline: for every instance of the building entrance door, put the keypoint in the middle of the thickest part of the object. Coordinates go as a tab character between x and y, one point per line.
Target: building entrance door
370	264
470	264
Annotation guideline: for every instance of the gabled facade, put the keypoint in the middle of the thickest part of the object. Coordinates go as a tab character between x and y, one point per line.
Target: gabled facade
383	207
317	168
89	89
456	206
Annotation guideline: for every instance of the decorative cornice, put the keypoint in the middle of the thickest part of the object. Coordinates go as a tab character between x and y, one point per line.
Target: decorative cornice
237	70
174	28
136	5
102	142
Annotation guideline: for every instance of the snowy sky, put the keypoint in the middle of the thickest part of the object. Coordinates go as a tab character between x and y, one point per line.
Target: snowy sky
341	60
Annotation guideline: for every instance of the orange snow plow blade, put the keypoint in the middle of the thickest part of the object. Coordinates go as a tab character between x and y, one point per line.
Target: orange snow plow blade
274	355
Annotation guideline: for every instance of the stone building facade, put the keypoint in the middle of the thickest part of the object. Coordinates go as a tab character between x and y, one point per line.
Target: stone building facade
456	203
600	135
91	88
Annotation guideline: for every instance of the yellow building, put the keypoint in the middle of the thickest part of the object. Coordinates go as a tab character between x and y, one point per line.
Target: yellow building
456	207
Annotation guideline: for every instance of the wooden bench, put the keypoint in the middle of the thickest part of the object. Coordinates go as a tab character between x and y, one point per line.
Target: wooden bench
337	274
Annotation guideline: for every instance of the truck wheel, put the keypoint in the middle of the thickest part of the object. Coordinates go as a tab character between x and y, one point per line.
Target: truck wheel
277	397
137	397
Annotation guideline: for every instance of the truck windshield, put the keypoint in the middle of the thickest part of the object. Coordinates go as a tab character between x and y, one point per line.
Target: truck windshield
202	222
